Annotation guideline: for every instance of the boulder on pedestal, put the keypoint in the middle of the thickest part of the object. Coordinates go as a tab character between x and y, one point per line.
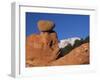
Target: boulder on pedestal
42	48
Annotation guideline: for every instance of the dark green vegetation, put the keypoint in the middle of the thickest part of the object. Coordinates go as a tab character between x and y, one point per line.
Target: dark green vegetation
69	47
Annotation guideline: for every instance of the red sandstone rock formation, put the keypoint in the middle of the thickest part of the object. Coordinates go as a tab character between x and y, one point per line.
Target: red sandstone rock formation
42	48
79	55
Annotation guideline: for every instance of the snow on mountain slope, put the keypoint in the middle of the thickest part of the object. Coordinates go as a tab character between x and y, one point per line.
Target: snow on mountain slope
65	42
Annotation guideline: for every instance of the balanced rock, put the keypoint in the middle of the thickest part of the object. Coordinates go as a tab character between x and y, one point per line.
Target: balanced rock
42	48
45	25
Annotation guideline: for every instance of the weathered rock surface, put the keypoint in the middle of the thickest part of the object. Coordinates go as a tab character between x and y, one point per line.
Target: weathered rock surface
79	55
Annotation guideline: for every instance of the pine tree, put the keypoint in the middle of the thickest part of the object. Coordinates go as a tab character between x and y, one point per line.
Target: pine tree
66	50
77	43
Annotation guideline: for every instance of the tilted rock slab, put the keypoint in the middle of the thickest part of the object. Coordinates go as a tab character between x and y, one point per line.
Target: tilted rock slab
79	55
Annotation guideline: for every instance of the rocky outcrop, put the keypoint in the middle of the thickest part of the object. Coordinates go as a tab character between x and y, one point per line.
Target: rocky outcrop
42	48
79	55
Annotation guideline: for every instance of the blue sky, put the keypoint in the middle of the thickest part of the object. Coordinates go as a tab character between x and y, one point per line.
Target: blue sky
66	25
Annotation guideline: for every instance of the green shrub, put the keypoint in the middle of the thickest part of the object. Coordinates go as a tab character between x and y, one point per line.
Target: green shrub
66	50
77	43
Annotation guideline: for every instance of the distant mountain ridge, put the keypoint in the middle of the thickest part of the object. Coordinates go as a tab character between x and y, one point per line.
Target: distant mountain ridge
67	41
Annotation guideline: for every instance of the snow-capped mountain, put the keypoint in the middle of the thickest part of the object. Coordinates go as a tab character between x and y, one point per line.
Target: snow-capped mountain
67	41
